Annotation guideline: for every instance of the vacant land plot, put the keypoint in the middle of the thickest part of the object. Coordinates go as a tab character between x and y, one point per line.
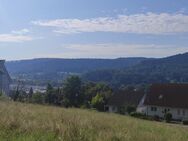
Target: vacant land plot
27	122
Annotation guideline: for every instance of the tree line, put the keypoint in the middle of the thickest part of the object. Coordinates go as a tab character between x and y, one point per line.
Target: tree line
73	93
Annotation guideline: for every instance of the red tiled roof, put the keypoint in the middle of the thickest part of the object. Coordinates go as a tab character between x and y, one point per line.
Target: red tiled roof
168	95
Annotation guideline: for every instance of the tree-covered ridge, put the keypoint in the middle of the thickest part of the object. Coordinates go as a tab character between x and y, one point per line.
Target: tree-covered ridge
165	70
52	65
115	72
46	70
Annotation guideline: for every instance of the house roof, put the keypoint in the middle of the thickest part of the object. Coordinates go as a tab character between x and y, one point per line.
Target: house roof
125	97
168	95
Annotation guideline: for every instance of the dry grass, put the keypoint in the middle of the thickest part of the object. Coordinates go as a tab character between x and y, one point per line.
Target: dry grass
27	122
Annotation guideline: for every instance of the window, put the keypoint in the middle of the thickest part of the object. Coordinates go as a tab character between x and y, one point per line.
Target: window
113	108
178	111
166	110
154	109
183	112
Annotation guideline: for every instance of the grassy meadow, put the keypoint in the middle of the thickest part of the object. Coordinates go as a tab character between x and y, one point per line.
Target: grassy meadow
27	122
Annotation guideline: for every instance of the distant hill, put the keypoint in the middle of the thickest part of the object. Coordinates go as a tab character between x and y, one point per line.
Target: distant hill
42	71
47	65
116	72
164	70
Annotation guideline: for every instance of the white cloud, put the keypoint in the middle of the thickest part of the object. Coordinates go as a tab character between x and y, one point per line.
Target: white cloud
149	23
14	38
182	11
21	32
113	50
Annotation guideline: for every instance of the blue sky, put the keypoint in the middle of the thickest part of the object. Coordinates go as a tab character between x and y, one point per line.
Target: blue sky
92	28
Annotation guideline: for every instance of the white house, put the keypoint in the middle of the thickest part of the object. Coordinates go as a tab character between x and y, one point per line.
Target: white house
5	79
165	98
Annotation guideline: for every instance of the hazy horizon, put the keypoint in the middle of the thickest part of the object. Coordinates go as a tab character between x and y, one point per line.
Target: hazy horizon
92	58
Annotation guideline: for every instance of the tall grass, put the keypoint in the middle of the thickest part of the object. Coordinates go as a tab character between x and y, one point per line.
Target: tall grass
27	122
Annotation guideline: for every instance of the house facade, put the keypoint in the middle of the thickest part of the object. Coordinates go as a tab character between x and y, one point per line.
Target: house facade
123	98
165	98
5	79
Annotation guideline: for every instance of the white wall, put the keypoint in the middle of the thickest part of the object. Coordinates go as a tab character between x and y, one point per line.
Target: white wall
141	109
112	109
177	113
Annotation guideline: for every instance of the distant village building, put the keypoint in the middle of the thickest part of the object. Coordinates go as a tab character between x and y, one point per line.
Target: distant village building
5	79
165	98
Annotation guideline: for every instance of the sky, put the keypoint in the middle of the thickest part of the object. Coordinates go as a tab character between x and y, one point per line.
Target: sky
92	28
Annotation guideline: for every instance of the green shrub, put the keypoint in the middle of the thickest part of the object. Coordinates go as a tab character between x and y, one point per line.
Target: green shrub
143	116
121	110
83	107
185	122
4	97
138	115
156	118
1	93
168	117
130	109
98	102
38	98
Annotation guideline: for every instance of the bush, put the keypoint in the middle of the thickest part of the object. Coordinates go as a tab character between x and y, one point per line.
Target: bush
121	110
168	117
156	118
3	97
143	116
1	93
185	122
83	107
38	98
130	109
138	115
98	102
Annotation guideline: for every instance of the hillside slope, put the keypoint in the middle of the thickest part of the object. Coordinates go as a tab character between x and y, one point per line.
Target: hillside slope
47	65
116	72
27	122
54	71
164	70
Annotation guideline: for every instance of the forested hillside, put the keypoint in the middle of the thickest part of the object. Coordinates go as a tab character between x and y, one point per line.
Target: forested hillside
46	70
116	72
164	70
47	65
